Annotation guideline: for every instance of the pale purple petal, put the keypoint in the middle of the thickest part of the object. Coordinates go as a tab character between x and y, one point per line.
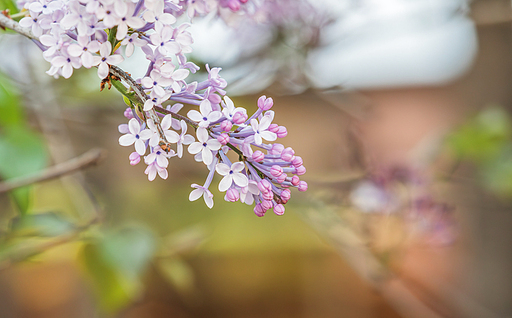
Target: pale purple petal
127	140
225	183
222	169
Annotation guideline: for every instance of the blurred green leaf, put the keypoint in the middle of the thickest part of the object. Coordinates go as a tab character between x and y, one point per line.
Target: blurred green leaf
22	152
483	137
44	224
115	264
128	249
10	5
497	175
113	289
10	109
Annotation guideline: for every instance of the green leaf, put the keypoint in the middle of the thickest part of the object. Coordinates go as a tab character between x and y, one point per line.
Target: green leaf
9	4
116	263
22	153
483	137
10	109
129	249
113	290
48	224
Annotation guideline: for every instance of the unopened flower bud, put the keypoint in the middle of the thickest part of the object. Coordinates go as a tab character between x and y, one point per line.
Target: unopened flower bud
269	195
288	154
282	178
303	186
134	158
273	128
295	180
128	113
276	170
265	186
258	210
232	195
226	125
276	149
297	161
265	103
239	118
214	99
258	156
300	170
282	132
285	195
223	139
266	204
279	209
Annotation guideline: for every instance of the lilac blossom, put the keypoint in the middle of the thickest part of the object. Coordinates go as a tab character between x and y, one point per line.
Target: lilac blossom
136	135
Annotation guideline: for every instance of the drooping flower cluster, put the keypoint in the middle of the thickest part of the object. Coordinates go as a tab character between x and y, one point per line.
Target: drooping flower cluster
94	33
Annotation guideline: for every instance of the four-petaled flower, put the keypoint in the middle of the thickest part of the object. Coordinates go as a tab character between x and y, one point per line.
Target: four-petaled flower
136	135
231	175
205	146
201	191
260	130
206	114
105	59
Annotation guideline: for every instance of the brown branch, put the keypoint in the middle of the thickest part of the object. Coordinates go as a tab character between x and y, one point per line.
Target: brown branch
15	26
90	158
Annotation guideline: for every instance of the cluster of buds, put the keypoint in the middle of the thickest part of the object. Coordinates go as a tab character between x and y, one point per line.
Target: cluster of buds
94	33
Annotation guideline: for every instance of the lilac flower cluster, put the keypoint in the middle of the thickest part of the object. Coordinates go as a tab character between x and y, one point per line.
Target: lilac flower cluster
93	33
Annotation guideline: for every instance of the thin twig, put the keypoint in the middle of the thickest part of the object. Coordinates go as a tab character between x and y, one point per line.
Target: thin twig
43	247
90	158
15	26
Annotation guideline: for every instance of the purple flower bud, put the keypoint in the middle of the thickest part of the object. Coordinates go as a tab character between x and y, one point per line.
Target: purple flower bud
214	99
239	118
232	195
303	186
223	139
276	149
285	195
282	178
265	103
265	186
282	132
226	125
273	128
128	113
259	211
276	170
269	195
279	209
266	205
134	158
288	154
297	161
300	170
295	180
258	156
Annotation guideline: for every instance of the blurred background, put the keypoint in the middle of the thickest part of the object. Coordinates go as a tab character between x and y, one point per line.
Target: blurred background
401	112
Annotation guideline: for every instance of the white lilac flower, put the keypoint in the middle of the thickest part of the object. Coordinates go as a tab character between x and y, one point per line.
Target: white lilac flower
248	192
155	100
65	64
136	135
105	59
83	49
176	124
130	42
206	114
229	109
260	129
155	14
108	14
32	22
160	157
156	82
167	70
205	146
183	38
181	139
162	39
231	175
201	191
128	20
153	169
